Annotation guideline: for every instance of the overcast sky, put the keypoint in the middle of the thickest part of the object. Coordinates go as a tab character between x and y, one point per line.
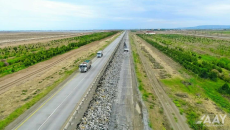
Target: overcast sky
111	14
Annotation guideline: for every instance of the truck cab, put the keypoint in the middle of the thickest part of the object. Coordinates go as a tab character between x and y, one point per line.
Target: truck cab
85	66
99	54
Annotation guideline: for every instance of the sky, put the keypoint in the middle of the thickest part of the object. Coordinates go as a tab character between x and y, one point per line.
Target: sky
111	14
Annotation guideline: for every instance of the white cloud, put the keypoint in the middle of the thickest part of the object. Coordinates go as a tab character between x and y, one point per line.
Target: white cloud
219	9
122	18
45	7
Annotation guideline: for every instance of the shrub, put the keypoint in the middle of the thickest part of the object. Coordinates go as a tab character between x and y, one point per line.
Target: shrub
213	76
224	89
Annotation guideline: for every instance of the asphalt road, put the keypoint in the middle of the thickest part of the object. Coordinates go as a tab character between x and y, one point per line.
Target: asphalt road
52	114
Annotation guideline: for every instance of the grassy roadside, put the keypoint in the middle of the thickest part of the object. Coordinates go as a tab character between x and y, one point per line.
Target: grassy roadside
191	110
16	113
155	111
201	92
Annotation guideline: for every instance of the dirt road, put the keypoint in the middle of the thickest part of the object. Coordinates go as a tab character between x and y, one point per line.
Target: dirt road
177	121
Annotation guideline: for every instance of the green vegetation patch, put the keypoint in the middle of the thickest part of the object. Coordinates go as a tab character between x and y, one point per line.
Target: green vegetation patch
192	113
201	87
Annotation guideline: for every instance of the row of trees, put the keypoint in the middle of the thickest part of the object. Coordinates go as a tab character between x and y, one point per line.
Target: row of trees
188	60
33	58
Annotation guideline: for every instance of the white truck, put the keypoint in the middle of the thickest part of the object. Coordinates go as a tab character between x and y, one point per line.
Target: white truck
85	66
99	54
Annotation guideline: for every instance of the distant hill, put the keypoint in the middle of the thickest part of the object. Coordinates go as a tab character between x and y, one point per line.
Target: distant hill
209	27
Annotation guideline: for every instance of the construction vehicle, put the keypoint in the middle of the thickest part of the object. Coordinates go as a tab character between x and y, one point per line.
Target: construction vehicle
85	66
99	54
